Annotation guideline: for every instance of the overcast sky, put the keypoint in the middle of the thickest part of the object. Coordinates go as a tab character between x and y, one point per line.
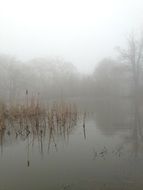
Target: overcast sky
80	31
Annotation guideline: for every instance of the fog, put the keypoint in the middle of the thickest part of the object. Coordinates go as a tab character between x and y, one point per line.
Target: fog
71	94
82	32
89	53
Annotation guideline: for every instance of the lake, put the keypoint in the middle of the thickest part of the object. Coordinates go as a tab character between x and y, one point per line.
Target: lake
101	153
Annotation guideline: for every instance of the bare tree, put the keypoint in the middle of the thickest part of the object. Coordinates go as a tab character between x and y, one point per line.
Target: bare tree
133	56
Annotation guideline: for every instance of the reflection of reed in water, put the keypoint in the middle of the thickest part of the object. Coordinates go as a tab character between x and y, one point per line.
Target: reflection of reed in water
84	132
37	124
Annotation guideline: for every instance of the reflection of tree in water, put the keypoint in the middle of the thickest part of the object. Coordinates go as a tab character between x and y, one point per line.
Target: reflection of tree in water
136	137
125	117
112	115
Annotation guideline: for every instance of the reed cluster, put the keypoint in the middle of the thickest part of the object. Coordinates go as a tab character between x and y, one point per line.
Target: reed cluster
30	117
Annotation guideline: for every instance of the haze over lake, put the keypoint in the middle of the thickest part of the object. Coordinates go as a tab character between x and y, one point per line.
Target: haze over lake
71	95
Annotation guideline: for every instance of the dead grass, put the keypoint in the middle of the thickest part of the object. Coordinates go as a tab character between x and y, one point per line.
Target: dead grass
57	116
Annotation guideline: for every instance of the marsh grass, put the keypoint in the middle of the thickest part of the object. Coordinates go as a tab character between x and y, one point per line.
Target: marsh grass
36	121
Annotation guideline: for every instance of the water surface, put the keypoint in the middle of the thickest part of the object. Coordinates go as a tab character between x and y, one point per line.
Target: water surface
81	158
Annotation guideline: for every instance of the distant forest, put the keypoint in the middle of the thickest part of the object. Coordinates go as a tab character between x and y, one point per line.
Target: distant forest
54	78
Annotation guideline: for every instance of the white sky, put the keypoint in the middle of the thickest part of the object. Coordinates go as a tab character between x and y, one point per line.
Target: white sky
81	31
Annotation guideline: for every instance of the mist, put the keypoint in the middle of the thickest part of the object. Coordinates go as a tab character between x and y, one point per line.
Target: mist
82	32
71	94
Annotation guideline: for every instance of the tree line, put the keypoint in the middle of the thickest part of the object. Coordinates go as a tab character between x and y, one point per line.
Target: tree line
54	78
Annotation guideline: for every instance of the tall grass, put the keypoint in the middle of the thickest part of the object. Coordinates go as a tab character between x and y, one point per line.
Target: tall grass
36	120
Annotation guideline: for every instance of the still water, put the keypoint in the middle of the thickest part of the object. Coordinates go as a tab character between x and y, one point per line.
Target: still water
80	158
